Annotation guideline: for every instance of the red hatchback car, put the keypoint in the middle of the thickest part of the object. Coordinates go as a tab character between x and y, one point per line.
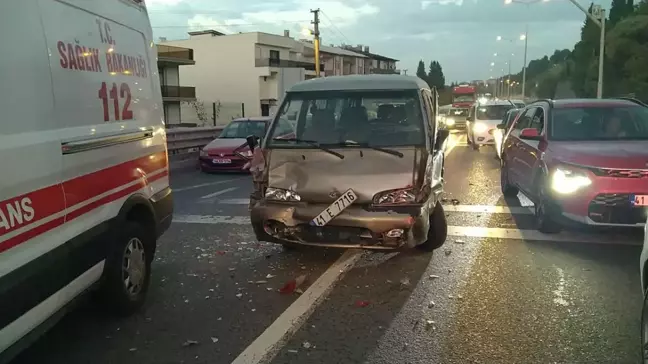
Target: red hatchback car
229	152
580	160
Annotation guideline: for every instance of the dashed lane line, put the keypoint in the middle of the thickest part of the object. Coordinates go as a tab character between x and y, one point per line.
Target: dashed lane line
455	231
205	184
218	193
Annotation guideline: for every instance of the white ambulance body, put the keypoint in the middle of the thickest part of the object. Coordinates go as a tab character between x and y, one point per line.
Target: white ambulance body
84	188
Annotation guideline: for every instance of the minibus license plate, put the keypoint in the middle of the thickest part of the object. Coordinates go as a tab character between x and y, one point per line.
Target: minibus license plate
335	208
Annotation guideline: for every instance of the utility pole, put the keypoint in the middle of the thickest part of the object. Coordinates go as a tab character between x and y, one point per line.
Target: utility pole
524	67
598	17
405	71
316	40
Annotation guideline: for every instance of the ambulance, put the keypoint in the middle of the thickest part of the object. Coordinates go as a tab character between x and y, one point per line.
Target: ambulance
84	186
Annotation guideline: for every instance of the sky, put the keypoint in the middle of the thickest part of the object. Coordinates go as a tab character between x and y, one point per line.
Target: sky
460	34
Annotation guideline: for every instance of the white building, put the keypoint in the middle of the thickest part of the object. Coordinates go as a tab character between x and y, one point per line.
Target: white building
254	69
169	61
375	63
337	61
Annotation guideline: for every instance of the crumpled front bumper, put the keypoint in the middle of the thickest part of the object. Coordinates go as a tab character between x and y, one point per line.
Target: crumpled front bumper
355	227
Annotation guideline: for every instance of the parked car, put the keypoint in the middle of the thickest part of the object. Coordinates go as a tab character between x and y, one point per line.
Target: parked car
345	180
580	160
229	151
85	187
482	121
502	128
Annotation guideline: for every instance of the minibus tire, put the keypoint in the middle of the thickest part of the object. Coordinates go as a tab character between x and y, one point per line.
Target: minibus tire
438	231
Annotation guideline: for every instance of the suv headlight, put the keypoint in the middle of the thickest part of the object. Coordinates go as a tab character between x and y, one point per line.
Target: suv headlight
479	127
280	194
566	180
449	122
395	197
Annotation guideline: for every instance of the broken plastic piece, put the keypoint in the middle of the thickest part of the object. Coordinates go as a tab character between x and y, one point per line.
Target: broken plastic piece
292	285
361	303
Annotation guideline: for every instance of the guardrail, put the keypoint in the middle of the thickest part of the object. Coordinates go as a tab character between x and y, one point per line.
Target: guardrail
185	140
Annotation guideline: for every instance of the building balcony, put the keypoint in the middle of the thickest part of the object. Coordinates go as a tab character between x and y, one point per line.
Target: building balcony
175	55
385	71
178	93
286	63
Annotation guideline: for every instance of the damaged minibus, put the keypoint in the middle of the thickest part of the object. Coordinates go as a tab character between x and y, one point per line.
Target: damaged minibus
362	167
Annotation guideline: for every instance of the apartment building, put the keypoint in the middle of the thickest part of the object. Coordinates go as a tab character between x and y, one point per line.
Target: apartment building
170	60
374	63
337	61
254	68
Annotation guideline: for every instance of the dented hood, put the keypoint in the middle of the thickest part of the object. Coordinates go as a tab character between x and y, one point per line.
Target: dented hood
316	174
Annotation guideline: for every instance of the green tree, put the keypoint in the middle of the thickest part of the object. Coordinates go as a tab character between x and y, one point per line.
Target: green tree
627	51
435	75
420	71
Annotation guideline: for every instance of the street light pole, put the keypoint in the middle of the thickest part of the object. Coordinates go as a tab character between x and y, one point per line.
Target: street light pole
524	66
598	17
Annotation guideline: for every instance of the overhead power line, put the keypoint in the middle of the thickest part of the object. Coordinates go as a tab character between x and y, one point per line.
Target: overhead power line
336	28
228	25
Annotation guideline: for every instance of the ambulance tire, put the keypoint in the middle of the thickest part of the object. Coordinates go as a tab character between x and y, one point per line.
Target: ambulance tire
135	243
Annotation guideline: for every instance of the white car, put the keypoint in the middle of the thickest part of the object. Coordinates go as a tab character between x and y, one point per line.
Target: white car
483	119
84	193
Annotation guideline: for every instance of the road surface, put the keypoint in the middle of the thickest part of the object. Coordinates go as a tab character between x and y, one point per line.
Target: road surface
497	292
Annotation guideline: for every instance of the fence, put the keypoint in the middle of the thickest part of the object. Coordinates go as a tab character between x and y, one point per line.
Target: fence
185	141
209	113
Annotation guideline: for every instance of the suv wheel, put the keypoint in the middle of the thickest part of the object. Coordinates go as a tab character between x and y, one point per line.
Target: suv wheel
438	231
545	222
508	190
127	271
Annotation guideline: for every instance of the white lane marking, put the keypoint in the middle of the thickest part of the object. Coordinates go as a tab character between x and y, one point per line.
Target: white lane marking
531	235
206	184
560	291
218	193
453	142
266	346
489	209
235	201
461	231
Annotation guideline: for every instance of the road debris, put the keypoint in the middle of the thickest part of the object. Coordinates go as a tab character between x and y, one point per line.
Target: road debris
455	201
190	343
361	303
448	252
293	351
214	340
431	304
261	282
405	281
458	241
429	324
433	276
292	285
239	295
132	349
306	345
269	276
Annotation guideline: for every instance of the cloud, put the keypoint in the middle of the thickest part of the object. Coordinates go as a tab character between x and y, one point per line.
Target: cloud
460	34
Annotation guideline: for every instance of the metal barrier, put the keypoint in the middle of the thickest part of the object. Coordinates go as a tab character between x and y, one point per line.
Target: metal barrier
185	140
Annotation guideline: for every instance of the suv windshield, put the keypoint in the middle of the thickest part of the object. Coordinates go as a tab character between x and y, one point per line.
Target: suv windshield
493	112
241	129
458	112
600	123
348	118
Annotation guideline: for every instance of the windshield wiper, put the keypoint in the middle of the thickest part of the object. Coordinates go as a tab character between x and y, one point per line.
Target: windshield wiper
366	145
312	143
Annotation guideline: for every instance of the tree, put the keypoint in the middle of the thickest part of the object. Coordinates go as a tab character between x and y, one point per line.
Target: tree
420	71
435	75
627	51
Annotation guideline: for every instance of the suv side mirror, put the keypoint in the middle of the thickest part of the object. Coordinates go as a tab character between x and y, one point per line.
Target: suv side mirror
442	136
530	134
252	141
501	126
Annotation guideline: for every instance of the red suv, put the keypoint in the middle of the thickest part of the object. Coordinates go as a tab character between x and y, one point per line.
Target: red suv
580	160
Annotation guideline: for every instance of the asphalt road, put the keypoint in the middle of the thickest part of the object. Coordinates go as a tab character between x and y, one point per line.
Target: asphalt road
497	292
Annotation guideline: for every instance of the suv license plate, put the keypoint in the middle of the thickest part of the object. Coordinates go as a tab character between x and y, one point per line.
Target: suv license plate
222	161
335	208
639	200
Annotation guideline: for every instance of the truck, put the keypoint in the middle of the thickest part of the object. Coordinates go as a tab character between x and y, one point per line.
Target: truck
464	96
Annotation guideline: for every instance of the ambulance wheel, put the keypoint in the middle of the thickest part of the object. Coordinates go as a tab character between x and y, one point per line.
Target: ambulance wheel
438	231
127	271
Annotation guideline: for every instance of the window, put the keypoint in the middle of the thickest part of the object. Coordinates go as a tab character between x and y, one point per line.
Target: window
241	129
537	122
274	55
599	123
525	119
511	117
458	113
463	98
377	118
492	112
